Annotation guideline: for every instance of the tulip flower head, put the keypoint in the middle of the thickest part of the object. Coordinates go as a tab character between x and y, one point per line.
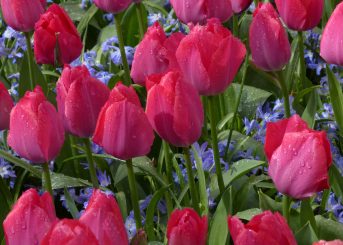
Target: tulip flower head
113	6
6	105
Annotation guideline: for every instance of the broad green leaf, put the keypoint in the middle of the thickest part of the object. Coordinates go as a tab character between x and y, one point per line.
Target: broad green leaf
249	213
329	229
71	204
75	12
311	110
292	65
306	235
86	18
267	203
336	181
121	200
61	181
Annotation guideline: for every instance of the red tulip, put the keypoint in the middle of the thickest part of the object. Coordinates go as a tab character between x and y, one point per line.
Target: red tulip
174	109
69	232
30	219
22	15
209	57
270	48
299	157
6	104
123	128
36	130
265	228
109	224
112	6
80	98
56	31
197	11
335	242
155	53
300	15
186	227
331	45
240	5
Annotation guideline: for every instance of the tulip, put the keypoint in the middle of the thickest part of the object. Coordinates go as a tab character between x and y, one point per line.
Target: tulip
209	57
22	15
197	11
335	242
56	33
174	109
80	98
155	53
300	15
30	219
122	127
112	6
264	228
240	5
299	157
331	45
6	104
69	232
109	224
270	48
36	130
186	227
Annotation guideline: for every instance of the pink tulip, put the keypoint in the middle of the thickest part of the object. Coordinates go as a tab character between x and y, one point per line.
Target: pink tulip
80	98
109	224
198	11
209	57
300	15
69	232
299	157
36	130
331	45
155	53
112	6
22	15
123	129
264	228
30	219
6	104
174	109
322	242
270	48
240	5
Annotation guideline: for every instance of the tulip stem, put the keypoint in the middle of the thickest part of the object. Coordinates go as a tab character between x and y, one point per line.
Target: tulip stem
169	169
307	212
325	197
139	11
29	59
192	188
47	179
214	136
91	165
286	202
302	59
235	25
284	89
134	195
122	50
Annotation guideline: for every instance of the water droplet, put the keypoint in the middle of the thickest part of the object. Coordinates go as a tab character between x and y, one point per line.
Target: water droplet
302	164
301	172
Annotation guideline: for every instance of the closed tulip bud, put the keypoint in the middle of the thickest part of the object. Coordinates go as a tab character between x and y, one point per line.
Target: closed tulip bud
174	109
240	5
331	45
270	48
6	104
186	227
69	232
299	157
36	129
112	6
55	31
264	228
80	98
155	53
123	129
109	224
209	57
198	11
322	242
300	15
22	15
30	219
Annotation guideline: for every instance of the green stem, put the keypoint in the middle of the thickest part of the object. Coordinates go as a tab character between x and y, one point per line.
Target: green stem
286	207
140	20
302	59
169	170
73	153
134	195
307	209
192	188
47	179
212	108
285	94
122	50
256	2
29	59
325	197
91	165
235	25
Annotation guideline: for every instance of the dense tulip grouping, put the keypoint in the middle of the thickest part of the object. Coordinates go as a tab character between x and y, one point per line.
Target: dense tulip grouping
178	78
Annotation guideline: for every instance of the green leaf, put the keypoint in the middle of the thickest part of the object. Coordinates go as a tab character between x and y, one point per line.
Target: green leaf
86	18
292	65
267	203
73	9
71	204
248	214
336	97
306	235
150	5
121	200
61	181
329	229
311	110
336	181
